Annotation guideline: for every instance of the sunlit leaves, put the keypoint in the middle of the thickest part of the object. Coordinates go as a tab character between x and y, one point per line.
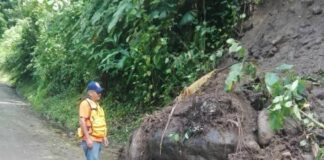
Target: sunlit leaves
188	17
284	67
287	95
233	76
174	137
270	80
124	5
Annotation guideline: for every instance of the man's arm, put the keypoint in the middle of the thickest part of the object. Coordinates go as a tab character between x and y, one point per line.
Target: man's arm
82	122
84	113
85	132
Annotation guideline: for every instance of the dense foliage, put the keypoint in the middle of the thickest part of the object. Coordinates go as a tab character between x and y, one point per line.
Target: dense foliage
143	51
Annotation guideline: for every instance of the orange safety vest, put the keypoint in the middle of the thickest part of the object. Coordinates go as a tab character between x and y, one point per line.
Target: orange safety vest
98	126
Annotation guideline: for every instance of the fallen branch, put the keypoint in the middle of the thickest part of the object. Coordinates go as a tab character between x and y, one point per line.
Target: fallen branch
319	124
167	124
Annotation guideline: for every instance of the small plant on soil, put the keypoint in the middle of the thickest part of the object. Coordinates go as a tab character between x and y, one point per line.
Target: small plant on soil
287	94
238	70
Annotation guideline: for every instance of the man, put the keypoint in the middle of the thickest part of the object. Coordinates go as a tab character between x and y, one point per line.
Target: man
93	128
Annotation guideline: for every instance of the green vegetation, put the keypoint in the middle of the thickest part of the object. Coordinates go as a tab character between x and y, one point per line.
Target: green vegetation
287	93
283	89
143	52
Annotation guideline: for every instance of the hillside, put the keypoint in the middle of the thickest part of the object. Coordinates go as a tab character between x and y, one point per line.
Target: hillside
212	124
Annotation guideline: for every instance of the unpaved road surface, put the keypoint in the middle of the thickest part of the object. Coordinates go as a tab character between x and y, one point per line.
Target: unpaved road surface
25	136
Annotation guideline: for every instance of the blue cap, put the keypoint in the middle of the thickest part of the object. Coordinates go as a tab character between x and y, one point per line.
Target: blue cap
94	86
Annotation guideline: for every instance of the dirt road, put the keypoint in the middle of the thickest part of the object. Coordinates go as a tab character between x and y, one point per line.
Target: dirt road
24	136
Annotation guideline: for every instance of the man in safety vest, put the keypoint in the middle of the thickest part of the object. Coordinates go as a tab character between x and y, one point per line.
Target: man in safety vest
93	128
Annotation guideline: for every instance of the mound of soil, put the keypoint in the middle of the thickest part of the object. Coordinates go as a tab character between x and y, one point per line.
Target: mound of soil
288	32
214	125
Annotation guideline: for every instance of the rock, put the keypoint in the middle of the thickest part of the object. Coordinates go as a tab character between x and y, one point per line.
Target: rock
251	144
291	126
321	143
308	156
317	10
286	154
307	2
304	41
277	40
71	134
214	144
318	41
319	93
136	146
194	157
247	26
291	10
265	133
274	50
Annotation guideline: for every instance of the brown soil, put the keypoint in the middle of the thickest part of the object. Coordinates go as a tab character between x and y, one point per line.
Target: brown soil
213	124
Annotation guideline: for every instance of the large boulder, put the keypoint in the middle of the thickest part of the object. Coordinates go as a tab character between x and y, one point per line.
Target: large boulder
208	127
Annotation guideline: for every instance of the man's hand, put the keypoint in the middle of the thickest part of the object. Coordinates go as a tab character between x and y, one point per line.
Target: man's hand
106	142
89	143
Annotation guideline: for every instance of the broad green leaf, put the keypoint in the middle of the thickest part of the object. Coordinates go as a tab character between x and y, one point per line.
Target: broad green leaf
242	52
187	18
219	53
166	60
155	14
174	137
276	107
163	14
277	99
287	97
303	143
271	78
301	87
296	112
235	48
186	136
276	89
233	76
276	120
288	104
212	57
242	16
96	17
118	14
284	67
230	41
121	62
294	86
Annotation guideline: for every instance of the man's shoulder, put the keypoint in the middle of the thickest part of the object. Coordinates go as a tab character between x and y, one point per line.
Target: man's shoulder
84	103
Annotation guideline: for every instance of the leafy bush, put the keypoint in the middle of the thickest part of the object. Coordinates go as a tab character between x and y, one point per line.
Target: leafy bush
19	62
150	50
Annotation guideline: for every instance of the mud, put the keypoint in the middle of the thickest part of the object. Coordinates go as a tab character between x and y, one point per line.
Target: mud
289	32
